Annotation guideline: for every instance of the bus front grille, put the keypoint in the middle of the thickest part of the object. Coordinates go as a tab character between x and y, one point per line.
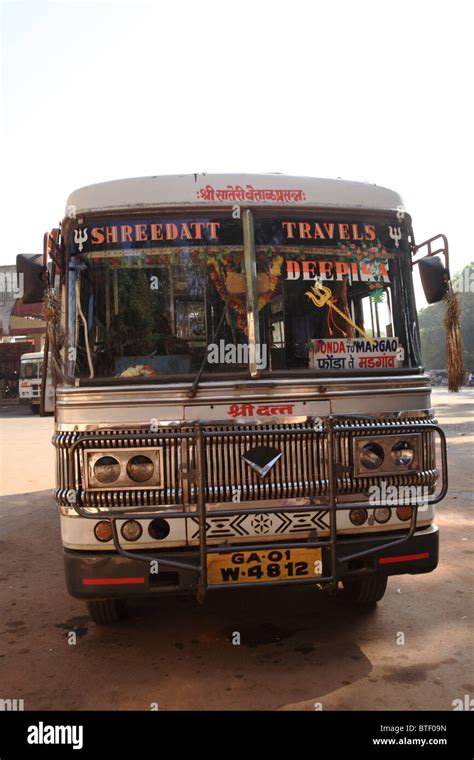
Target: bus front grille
300	471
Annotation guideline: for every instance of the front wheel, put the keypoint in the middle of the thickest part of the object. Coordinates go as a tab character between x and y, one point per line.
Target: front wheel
106	611
34	408
365	592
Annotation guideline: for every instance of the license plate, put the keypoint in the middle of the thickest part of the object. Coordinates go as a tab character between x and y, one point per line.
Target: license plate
272	565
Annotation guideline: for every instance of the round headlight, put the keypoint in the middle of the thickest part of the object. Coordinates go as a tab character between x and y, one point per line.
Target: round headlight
140	468
382	514
402	454
358	516
107	470
131	530
103	530
371	456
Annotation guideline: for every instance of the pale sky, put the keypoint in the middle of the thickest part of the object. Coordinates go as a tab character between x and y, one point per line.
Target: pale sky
360	90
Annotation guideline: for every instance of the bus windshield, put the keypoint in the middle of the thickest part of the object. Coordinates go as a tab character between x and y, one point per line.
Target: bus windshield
159	297
30	369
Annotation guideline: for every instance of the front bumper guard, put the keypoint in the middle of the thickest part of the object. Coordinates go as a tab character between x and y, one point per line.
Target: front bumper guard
329	428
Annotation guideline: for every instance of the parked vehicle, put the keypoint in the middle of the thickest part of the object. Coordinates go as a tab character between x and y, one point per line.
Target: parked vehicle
11	352
243	400
438	376
31	371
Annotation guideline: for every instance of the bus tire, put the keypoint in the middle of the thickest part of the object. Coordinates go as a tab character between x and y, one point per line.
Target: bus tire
105	611
365	592
34	408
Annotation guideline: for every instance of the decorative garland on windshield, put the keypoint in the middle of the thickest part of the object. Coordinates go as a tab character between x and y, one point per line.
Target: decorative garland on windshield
237	301
237	305
372	256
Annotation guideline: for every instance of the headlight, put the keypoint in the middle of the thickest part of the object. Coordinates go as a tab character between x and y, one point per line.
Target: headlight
107	470
371	456
124	468
402	454
140	468
387	454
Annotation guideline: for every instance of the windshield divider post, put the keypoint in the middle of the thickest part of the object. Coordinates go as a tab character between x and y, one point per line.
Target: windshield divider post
252	293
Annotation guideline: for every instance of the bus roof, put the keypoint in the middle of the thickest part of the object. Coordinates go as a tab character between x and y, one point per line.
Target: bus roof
31	357
229	189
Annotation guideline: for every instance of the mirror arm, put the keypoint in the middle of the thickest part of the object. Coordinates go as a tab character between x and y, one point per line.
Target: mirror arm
431	251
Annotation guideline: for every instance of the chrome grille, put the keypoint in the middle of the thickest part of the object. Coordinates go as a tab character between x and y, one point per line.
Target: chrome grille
300	472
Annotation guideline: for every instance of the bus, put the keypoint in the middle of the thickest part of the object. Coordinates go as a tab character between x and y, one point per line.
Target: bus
242	401
31	369
11	350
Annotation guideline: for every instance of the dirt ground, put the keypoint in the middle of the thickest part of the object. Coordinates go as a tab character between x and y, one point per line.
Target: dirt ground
298	647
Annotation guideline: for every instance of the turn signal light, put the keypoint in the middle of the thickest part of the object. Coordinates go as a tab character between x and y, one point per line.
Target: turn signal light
404	513
103	531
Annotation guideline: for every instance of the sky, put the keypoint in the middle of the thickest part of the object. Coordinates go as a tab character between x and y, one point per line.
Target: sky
362	90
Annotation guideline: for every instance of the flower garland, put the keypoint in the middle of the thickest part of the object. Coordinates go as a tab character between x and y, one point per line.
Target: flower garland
275	272
235	302
373	256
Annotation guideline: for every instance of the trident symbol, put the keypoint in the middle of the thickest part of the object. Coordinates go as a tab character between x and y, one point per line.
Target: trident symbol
396	234
320	296
80	237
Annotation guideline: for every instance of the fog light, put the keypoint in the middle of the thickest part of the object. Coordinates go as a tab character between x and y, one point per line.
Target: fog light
107	470
404	513
402	454
358	516
382	514
140	468
371	456
159	528
131	530
103	531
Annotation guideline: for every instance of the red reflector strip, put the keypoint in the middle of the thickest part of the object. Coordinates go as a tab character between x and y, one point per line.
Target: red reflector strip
110	581
405	558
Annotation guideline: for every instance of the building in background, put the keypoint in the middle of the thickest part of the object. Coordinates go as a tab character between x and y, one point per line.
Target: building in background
22	330
17	319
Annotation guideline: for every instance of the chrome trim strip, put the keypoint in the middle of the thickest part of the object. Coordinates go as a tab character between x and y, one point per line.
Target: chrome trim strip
271	383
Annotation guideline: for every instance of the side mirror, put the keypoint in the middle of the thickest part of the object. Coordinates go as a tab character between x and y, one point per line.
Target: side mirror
33	275
434	278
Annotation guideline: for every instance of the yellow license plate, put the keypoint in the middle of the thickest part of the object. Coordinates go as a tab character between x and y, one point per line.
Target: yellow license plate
267	565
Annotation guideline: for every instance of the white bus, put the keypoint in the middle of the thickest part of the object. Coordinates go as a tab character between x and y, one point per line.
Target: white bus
31	369
242	400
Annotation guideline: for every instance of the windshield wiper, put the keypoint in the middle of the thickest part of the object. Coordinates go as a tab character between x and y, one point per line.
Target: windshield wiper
193	389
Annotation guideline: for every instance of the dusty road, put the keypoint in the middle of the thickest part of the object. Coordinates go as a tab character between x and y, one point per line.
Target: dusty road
298	647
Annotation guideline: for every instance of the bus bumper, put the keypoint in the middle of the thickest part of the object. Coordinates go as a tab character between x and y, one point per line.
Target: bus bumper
99	575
